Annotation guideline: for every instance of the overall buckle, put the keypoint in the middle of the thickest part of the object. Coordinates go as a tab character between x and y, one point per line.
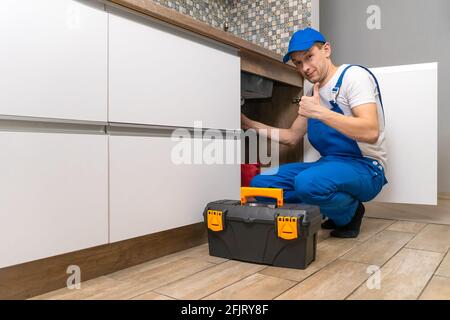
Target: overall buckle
335	92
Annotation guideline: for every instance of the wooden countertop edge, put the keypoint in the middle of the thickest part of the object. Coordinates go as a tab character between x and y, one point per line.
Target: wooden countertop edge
149	8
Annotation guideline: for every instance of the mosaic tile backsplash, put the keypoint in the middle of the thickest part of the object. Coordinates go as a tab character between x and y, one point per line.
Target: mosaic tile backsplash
267	23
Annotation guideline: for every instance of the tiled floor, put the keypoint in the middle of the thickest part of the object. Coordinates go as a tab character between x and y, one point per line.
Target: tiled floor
413	257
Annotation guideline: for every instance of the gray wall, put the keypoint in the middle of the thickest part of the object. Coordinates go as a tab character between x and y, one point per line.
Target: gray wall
412	31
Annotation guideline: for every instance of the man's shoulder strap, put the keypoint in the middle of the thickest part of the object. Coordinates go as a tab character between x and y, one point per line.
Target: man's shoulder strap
337	86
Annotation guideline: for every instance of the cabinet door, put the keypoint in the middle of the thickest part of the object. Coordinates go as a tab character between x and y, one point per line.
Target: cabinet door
150	193
53	59
53	194
161	76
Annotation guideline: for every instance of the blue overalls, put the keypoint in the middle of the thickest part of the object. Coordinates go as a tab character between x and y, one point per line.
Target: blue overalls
338	180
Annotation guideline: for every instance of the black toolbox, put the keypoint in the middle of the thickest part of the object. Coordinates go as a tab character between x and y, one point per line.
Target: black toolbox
262	232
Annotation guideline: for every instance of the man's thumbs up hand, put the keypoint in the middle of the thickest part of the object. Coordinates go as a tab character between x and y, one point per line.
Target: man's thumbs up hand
316	90
310	107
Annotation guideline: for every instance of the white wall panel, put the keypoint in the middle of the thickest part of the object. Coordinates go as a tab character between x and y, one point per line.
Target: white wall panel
410	98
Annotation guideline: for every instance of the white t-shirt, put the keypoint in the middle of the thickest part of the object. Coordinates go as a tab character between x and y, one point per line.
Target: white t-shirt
358	87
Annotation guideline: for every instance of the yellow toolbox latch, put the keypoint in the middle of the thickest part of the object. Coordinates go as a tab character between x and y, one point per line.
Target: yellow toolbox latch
215	220
287	227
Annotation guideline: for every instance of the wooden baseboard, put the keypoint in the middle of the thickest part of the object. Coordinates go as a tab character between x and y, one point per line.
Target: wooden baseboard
30	279
444	196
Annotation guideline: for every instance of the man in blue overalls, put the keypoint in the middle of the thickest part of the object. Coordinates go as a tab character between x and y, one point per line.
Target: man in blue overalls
344	120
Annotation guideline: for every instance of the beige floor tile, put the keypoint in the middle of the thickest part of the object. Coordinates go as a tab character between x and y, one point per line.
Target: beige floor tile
370	227
323	235
126	273
152	296
432	238
117	290
336	281
134	283
208	281
119	275
327	251
175	269
402	277
181	266
255	287
407	226
87	289
380	248
444	268
163	273
437	289
120	291
201	252
126	290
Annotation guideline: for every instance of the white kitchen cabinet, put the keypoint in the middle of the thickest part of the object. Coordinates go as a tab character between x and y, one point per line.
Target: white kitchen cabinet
53	59
159	75
53	194
150	193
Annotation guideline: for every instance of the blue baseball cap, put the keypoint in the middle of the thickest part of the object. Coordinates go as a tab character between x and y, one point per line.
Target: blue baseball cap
303	40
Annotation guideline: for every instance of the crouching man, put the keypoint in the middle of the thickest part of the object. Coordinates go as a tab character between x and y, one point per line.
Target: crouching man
344	119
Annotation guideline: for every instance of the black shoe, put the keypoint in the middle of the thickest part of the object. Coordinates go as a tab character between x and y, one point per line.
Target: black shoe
328	225
350	230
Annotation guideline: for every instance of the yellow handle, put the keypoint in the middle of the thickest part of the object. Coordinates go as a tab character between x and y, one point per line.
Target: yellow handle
262	192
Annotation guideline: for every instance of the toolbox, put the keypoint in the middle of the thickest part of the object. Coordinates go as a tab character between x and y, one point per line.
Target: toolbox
272	233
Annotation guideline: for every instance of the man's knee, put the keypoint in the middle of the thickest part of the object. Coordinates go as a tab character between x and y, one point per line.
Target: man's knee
267	179
311	189
259	181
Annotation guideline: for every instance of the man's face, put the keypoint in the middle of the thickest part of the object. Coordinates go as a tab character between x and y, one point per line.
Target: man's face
312	63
